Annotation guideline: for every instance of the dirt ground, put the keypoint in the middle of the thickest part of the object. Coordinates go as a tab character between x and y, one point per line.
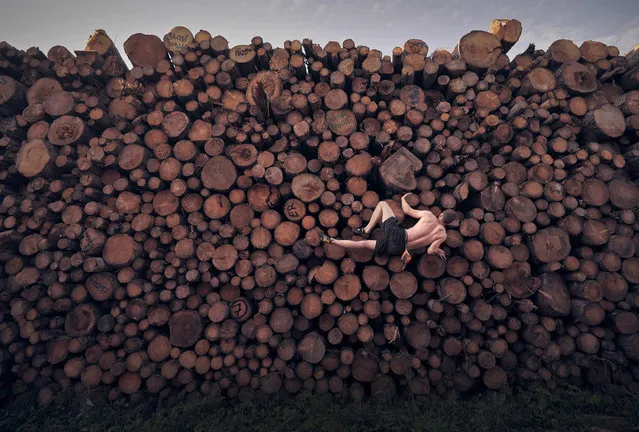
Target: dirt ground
566	409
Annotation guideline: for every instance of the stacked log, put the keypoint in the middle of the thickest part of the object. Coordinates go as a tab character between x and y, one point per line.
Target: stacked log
160	224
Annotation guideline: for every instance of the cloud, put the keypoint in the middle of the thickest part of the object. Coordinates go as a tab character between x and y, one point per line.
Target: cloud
625	36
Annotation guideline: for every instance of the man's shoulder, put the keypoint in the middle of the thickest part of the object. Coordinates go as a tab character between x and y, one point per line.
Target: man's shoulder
441	230
427	216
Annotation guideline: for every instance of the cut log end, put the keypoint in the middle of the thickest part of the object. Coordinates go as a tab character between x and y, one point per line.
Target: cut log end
479	49
33	158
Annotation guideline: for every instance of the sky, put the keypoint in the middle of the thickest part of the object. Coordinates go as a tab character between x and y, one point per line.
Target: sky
379	24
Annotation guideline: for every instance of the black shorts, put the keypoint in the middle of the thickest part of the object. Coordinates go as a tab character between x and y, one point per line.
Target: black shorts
394	241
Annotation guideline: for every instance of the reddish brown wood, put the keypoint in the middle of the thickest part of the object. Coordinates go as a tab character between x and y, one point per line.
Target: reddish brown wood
551	245
144	49
507	31
161	225
479	49
81	320
185	328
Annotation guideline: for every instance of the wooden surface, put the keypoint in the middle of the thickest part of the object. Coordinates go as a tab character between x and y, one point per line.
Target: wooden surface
160	225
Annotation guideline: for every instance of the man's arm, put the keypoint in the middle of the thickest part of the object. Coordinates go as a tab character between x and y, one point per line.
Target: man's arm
434	249
408	210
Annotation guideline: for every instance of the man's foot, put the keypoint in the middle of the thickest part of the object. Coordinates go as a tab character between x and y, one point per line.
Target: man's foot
405	259
360	232
324	238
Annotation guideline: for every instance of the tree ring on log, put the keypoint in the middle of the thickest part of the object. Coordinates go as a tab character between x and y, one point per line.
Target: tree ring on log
218	173
80	320
551	245
479	49
32	158
65	130
307	187
185	328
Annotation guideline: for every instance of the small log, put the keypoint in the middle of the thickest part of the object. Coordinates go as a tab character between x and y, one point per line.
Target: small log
364	367
403	285
630	346
562	51
263	88
244	56
219	173
35	157
538	80
431	266
341	122
101	286
452	291
59	103
375	278
312	348
519	282
604	122
614	286
593	51
281	320
177	39
159	348
347	287
67	130
418	335
119	250
551	245
495	378
129	382
626	323
185	328
507	31
81	320
307	187
41	89
576	78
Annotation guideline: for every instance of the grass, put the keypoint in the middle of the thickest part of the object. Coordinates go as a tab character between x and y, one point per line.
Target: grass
566	409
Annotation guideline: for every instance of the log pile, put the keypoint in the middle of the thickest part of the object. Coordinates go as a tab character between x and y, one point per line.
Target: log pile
160	223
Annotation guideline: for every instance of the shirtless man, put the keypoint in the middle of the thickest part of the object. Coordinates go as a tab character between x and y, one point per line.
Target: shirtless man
429	230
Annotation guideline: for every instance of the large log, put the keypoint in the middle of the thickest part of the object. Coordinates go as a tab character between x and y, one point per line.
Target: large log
507	31
479	49
144	50
398	171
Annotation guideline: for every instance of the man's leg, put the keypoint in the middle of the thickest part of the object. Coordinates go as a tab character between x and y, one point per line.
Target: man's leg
355	244
382	212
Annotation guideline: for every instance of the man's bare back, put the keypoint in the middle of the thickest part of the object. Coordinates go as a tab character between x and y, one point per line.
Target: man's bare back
429	229
425	231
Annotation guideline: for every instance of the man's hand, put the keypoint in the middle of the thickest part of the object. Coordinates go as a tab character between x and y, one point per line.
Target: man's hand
441	254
